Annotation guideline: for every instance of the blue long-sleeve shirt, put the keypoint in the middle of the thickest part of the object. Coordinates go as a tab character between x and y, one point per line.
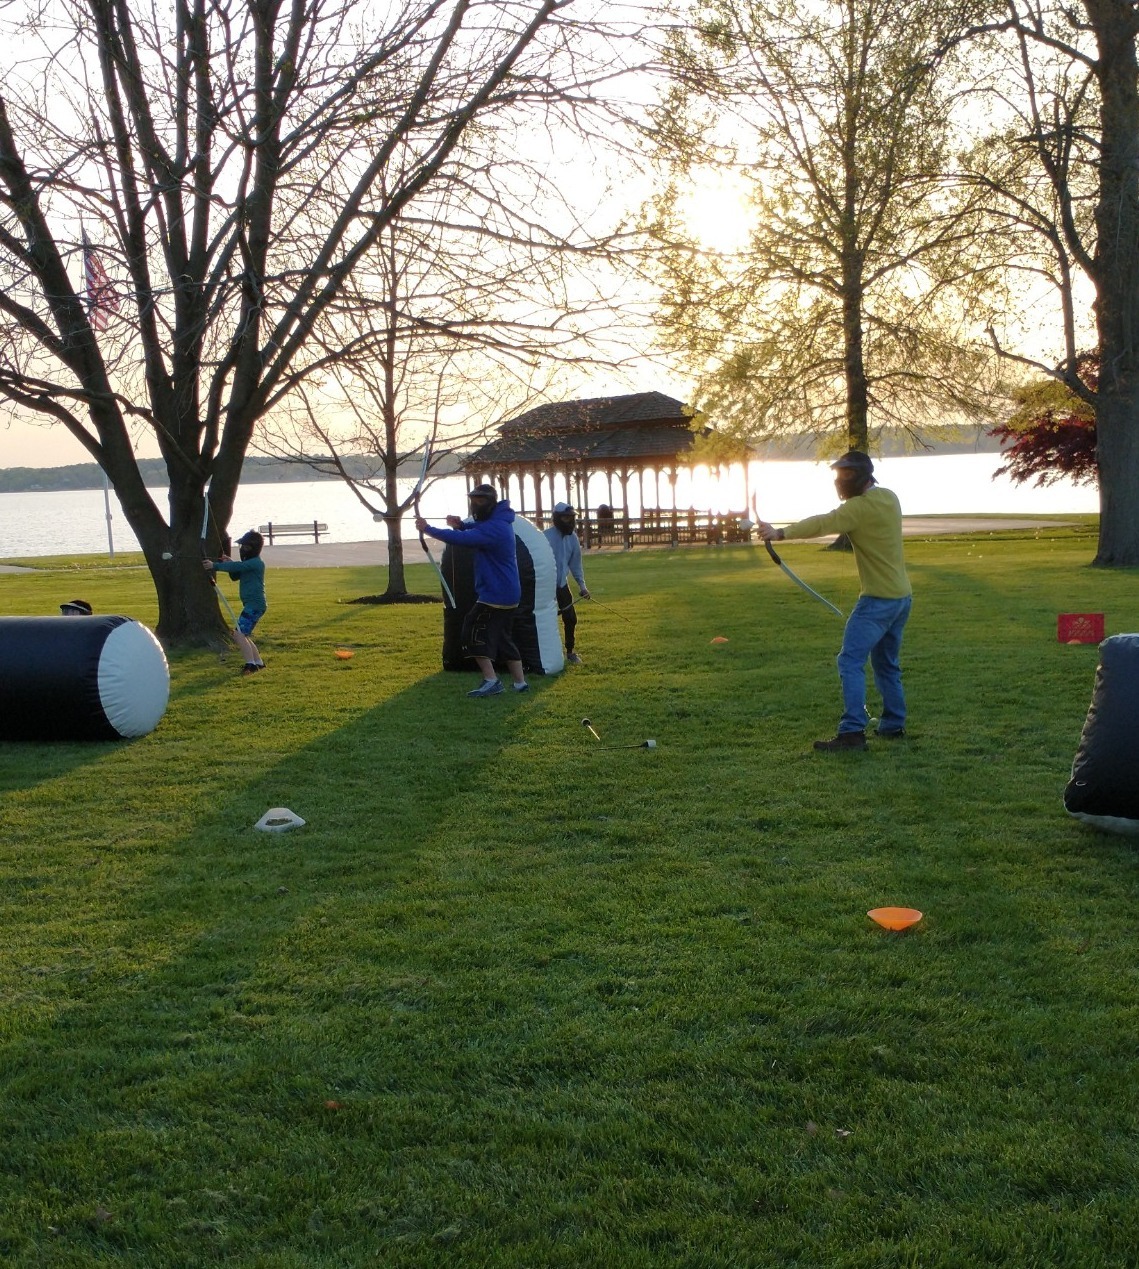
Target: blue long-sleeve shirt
250	576
496	560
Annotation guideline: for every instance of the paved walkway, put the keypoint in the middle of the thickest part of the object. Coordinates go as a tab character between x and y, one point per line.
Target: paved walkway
365	554
375	554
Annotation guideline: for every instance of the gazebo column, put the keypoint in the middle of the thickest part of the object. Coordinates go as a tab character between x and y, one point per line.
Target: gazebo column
537	474
672	481
624	477
577	482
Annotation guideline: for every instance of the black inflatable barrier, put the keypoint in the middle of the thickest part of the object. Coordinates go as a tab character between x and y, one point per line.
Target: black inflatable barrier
536	629
80	678
1104	789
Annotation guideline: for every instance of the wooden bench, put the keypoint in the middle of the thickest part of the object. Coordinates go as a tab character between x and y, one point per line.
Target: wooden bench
310	527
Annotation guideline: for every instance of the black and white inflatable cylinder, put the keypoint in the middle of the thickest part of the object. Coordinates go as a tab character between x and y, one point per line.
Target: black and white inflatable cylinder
1104	789
537	631
80	678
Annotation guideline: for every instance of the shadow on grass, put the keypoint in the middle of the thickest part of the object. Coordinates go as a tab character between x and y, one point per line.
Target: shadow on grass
170	1011
25	764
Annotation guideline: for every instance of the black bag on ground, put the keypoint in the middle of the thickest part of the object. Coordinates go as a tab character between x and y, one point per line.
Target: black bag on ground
1104	788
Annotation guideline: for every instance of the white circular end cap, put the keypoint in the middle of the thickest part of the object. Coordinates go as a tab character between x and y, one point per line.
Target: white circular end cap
134	679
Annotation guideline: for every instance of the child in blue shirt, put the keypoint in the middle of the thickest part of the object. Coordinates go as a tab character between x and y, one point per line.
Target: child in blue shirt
250	574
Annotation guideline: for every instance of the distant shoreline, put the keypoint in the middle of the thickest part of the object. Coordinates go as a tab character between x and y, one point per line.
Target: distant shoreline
275	471
255	471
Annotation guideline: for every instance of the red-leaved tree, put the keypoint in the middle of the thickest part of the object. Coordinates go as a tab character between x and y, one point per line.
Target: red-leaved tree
1052	434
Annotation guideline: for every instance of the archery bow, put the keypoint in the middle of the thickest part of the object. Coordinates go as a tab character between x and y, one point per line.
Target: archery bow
422	536
206	555
790	573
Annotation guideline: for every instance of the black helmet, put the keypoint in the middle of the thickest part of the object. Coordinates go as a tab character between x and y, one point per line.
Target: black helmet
856	461
483	499
250	544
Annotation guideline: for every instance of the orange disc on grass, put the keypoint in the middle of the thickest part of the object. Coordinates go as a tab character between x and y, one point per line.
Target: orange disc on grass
345	654
895	918
720	639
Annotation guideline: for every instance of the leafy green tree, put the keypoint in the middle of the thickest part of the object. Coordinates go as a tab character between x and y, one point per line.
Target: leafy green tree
851	299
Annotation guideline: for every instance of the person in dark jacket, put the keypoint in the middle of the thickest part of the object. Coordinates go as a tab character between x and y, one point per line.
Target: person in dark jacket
488	627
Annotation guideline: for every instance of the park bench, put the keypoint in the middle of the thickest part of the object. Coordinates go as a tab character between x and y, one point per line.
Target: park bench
309	527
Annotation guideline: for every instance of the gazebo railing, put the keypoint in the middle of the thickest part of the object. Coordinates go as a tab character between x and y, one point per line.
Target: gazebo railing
657	527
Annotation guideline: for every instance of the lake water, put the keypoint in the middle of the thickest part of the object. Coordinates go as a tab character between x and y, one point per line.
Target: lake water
75	523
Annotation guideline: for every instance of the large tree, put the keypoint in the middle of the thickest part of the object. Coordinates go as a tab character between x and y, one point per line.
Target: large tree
232	164
1079	100
849	298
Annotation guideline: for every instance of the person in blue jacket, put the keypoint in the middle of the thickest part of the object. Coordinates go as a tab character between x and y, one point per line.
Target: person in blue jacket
488	627
250	574
563	542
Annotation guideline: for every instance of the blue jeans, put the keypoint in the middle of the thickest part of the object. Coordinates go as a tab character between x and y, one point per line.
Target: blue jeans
874	631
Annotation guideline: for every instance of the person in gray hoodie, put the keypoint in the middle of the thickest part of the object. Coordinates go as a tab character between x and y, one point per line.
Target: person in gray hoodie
567	556
488	627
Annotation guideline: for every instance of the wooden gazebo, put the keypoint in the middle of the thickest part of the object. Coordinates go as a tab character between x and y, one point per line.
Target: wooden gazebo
561	445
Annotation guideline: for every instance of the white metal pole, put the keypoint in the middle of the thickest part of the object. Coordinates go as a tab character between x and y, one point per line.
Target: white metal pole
107	505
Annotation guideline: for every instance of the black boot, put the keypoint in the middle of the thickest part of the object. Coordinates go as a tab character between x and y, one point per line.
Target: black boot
844	740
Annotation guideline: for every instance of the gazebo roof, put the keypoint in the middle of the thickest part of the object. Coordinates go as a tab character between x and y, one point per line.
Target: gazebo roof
597	431
593	413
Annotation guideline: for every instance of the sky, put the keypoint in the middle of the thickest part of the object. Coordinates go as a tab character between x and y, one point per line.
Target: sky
712	207
714	211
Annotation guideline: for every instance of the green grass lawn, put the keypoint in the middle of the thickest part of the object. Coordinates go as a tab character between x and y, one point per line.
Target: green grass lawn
508	1000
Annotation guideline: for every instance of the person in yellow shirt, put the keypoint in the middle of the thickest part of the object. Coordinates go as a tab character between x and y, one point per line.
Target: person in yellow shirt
871	517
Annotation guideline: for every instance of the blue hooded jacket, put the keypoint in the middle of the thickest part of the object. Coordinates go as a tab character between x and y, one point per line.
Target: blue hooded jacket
496	560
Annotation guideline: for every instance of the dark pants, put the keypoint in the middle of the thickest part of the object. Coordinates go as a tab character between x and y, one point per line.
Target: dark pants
569	614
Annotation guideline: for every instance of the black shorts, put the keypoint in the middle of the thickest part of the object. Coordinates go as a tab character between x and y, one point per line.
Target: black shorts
488	632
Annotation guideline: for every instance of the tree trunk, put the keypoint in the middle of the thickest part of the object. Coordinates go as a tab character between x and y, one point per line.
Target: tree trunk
1117	450
397	583
189	611
1117	283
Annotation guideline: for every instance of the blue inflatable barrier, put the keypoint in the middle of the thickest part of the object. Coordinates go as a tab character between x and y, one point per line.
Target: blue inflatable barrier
1104	789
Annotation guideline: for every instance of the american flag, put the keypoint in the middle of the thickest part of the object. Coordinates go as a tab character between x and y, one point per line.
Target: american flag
102	298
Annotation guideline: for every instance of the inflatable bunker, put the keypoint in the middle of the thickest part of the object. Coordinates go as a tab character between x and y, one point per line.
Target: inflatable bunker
537	628
80	678
1104	788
